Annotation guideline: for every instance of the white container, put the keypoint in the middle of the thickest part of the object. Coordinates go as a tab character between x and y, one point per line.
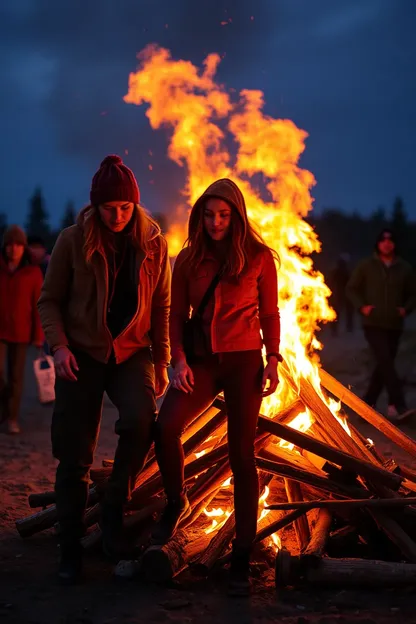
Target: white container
44	369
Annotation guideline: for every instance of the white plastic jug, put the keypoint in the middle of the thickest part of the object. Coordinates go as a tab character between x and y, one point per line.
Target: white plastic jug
45	378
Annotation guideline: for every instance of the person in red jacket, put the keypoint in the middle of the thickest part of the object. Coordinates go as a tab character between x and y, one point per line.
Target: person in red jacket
226	355
20	285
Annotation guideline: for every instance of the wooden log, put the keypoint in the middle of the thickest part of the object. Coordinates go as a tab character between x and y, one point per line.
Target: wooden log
155	484
368	413
346	461
320	534
161	563
223	537
345	573
331	427
347	503
43	499
267	531
302	476
294	493
289	413
211	420
216	547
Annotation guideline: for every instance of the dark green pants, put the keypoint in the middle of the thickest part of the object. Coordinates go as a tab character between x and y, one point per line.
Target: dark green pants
76	423
11	385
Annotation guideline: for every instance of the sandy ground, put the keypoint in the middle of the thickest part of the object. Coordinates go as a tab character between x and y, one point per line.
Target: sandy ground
29	592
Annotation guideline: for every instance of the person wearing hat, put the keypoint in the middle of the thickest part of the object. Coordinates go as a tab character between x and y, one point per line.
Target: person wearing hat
104	308
383	289
20	285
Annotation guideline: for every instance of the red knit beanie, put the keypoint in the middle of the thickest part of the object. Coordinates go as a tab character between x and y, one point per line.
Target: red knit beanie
114	181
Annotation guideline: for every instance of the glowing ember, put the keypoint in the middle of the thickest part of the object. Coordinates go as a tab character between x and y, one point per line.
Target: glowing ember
208	127
216	524
226	483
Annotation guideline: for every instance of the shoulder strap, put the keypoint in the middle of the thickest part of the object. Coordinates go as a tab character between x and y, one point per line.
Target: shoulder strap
208	294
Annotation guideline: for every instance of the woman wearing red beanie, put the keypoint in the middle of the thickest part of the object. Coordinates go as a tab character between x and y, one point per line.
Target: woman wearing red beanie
104	308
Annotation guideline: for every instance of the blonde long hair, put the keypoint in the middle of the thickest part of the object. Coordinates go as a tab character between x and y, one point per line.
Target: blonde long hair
97	238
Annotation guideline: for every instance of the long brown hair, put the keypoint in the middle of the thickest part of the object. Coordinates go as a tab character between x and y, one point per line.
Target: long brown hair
97	238
244	242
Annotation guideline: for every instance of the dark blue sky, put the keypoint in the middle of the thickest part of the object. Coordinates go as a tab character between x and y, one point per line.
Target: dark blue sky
343	70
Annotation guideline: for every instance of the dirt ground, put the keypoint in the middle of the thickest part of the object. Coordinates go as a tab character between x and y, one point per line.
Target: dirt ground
29	592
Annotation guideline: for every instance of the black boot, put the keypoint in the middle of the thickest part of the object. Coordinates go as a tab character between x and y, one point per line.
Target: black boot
239	580
111	524
70	566
174	512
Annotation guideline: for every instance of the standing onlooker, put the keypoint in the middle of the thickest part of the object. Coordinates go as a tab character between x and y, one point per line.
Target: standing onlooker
337	281
38	252
383	288
20	285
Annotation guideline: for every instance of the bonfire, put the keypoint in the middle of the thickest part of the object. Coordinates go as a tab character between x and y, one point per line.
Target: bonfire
318	474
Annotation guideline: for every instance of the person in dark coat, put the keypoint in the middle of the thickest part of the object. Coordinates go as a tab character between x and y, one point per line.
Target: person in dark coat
20	284
38	252
383	289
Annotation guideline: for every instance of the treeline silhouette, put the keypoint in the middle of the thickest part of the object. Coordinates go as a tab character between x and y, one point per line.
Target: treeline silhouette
339	232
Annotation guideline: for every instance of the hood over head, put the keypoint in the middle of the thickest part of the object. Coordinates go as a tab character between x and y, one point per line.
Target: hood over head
224	189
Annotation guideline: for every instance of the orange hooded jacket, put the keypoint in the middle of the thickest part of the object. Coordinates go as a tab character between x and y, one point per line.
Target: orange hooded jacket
241	306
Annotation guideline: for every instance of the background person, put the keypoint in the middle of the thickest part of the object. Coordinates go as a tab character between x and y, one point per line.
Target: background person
20	284
383	289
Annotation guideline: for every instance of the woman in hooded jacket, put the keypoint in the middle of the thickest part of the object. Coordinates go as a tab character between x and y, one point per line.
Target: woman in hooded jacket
104	309
226	264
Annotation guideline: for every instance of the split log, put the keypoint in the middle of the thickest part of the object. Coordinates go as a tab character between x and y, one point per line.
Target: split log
216	547
43	499
346	461
368	413
320	534
294	493
348	503
161	563
343	573
302	476
45	519
223	537
155	485
332	429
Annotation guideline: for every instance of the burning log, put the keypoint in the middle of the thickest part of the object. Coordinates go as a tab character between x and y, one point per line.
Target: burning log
343	572
162	563
348	503
302	476
331	428
346	461
368	413
294	493
216	547
320	534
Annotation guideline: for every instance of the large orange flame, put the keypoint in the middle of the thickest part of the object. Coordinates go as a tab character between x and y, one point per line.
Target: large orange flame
202	115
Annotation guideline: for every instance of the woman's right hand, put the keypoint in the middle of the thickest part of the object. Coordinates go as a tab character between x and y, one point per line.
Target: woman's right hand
65	364
183	377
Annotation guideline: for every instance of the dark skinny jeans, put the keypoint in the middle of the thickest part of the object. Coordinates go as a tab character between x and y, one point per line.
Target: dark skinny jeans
76	423
239	376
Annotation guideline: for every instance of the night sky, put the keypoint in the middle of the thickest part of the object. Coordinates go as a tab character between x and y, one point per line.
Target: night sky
343	70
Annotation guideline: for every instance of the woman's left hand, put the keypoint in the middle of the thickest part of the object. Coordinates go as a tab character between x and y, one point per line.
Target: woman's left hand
161	380
272	376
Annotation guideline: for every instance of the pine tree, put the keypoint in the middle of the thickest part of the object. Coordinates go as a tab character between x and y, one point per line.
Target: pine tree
69	216
3	224
399	221
37	220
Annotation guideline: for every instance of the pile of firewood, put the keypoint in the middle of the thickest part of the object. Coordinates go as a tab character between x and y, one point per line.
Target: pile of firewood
353	511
